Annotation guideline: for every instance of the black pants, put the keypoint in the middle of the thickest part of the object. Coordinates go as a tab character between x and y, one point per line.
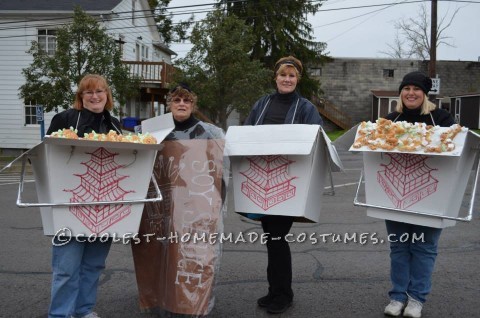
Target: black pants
279	270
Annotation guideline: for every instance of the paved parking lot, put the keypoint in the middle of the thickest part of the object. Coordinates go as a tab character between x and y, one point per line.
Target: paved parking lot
331	279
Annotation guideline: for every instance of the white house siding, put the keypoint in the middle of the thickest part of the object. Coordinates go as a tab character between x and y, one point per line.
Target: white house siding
15	40
120	24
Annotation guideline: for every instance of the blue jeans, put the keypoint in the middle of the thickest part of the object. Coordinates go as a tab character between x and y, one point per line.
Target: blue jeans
412	261
76	270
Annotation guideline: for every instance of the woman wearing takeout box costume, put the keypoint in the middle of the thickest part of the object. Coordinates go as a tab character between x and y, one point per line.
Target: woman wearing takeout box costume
77	266
285	106
412	264
173	276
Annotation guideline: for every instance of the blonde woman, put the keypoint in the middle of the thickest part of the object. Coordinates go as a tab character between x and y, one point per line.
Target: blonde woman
285	106
412	264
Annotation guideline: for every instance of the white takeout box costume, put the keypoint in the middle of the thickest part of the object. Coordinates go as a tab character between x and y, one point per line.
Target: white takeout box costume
280	169
85	171
416	187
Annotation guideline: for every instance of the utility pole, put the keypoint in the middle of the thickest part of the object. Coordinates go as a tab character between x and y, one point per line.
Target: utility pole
432	70
432	66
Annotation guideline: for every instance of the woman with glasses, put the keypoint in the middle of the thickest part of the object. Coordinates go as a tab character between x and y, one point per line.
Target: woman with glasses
175	276
91	109
76	265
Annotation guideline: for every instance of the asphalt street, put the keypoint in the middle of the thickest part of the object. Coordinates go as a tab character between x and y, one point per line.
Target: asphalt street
330	279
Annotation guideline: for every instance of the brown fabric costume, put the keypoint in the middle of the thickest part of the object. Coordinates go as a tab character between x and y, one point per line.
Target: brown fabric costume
175	273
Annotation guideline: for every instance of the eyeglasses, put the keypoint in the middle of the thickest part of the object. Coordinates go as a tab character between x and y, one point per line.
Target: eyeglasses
90	93
178	100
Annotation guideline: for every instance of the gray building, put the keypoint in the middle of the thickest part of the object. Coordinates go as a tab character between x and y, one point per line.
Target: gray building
348	82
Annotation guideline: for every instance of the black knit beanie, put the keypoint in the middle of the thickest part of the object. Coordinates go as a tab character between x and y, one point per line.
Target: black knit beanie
418	79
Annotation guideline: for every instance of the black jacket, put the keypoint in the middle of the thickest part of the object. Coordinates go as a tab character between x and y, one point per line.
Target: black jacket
302	109
84	121
440	117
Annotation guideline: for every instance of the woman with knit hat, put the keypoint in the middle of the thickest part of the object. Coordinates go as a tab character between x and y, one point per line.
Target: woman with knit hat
412	263
285	106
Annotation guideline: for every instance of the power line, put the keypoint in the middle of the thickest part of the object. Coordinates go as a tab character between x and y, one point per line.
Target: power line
67	19
375	11
210	10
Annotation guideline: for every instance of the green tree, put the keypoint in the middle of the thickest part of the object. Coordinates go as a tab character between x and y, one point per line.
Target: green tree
83	47
219	69
280	29
170	31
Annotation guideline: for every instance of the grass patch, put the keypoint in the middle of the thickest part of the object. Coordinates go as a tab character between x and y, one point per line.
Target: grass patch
335	134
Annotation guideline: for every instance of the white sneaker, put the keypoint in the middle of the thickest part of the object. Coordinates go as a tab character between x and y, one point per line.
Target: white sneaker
91	315
413	309
394	309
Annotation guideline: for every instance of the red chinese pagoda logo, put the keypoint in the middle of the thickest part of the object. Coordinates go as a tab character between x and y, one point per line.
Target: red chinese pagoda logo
407	179
268	182
100	183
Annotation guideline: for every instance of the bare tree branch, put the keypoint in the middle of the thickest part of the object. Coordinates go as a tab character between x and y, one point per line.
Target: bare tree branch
412	38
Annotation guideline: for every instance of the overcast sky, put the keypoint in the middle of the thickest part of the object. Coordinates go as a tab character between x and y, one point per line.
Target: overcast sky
365	32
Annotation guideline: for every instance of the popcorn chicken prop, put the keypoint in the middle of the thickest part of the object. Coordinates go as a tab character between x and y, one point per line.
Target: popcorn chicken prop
72	174
415	173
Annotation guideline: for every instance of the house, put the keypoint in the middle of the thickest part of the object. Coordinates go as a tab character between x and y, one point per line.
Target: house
128	21
465	108
383	102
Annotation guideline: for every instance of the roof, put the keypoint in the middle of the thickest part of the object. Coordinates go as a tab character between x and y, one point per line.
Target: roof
382	93
465	95
57	5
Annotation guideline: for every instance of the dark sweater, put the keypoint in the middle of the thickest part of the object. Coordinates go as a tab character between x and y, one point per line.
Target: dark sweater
186	124
84	121
277	112
440	117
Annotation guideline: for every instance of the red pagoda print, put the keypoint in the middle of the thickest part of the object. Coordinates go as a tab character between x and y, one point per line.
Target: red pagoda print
100	183
268	182
407	179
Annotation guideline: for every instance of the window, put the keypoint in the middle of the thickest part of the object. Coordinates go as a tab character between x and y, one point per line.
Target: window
316	71
388	72
392	105
144	53
30	113
47	40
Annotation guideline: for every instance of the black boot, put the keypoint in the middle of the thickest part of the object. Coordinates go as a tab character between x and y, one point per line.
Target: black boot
279	304
265	300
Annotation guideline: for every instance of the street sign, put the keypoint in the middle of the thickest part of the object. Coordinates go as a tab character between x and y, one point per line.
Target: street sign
435	86
39	113
39	109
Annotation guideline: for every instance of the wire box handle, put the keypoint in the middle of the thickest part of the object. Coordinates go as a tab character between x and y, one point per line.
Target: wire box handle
134	201
468	218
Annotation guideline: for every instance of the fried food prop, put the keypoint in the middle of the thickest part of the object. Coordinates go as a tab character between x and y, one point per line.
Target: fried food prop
405	137
70	133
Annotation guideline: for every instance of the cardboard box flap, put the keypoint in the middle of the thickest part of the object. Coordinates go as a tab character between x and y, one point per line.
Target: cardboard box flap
335	162
159	126
346	140
28	152
271	140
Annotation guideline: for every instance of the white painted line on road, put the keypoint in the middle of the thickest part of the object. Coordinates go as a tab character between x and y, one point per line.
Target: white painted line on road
10	183
343	185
